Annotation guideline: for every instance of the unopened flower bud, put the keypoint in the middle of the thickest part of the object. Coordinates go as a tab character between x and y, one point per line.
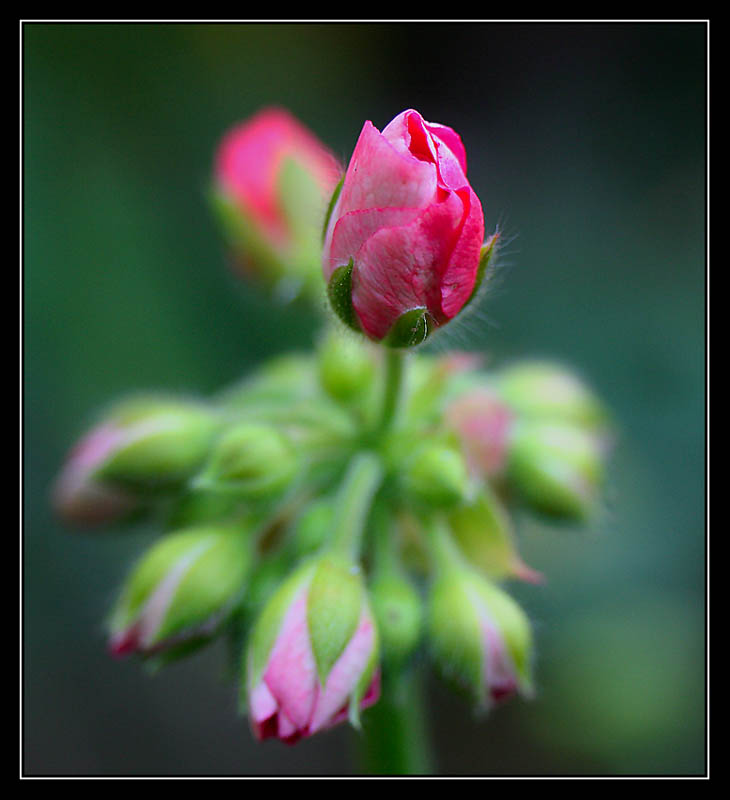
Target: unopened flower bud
180	589
557	468
403	246
79	497
312	660
436	476
543	390
399	613
480	637
346	367
158	442
273	180
482	421
251	460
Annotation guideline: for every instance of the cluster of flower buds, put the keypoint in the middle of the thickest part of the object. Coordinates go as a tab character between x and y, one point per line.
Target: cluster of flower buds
339	511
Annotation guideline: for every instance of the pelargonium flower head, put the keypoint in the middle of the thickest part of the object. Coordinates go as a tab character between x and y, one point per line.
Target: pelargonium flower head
273	179
403	244
313	657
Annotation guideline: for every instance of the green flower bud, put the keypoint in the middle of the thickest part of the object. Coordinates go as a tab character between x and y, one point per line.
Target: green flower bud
180	590
158	442
346	367
251	460
480	638
558	468
436	476
311	529
399	615
550	392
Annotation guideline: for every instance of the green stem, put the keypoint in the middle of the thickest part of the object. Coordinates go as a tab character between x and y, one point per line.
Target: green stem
394	739
353	503
393	389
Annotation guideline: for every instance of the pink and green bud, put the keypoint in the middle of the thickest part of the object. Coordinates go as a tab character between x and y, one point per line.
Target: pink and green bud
78	496
480	638
483	422
557	468
250	460
180	590
273	179
313	657
157	442
403	244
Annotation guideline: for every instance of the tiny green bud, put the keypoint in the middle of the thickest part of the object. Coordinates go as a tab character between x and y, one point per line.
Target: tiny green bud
251	460
558	468
436	476
180	589
399	614
480	638
159	442
346	367
311	529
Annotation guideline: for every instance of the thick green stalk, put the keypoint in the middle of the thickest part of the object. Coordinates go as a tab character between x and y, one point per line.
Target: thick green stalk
353	503
394	738
393	388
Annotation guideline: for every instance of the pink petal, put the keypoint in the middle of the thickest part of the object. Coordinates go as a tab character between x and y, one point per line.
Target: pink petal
499	671
483	424
262	711
460	274
291	672
378	176
401	268
354	228
345	674
451	139
370	698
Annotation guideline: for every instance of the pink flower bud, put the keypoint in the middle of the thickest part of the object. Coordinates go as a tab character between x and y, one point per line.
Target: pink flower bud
289	695
275	179
483	423
77	496
411	226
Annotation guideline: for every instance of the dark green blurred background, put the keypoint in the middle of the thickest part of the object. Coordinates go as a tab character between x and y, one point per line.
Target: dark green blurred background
587	144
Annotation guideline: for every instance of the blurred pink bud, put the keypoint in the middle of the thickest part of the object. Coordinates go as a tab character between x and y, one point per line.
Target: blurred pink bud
483	424
410	223
277	178
290	700
77	497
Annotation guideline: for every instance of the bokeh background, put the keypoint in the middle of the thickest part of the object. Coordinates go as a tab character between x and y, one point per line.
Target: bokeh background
587	144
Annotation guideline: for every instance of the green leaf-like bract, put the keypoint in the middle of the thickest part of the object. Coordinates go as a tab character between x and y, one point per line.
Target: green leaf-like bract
339	291
334	606
410	329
